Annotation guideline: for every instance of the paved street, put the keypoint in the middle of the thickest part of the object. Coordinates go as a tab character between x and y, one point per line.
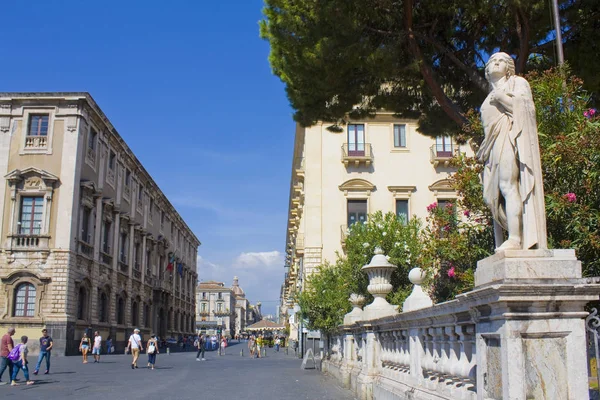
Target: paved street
180	376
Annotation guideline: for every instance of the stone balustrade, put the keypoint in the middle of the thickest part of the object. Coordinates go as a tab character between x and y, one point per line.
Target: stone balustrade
518	334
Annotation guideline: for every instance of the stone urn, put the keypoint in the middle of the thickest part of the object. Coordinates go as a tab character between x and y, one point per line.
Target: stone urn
379	271
357	301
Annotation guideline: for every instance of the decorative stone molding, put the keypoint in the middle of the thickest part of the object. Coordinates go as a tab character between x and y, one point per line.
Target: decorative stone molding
443	186
357	185
402	191
11	282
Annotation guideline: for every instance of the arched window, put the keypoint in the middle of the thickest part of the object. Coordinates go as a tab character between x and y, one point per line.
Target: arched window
135	313
120	311
103	307
82	303
25	295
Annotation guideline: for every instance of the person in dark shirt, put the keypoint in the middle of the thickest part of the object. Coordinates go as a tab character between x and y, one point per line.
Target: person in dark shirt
46	344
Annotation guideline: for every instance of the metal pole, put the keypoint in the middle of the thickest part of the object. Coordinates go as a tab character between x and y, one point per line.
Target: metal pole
559	44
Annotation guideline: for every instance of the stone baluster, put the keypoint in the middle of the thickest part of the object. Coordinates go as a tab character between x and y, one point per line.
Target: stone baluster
425	363
463	366
471	347
385	353
395	349
405	355
443	363
452	368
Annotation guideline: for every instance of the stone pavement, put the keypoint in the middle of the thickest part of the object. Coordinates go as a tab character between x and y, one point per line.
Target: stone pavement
180	376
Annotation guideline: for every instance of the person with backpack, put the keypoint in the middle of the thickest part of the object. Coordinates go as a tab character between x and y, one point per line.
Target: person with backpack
152	350
18	356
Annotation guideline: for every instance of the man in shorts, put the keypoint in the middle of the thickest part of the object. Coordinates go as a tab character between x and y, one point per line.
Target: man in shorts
135	344
97	346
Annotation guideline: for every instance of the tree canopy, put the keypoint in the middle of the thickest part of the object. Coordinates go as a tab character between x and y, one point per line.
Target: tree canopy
421	59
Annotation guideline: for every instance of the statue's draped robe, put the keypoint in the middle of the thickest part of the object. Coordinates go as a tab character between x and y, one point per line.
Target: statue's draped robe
520	128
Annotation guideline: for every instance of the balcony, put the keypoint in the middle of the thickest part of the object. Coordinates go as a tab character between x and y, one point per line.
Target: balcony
29	242
123	267
137	275
222	313
299	164
443	153
36	143
357	153
204	314
148	280
106	258
86	249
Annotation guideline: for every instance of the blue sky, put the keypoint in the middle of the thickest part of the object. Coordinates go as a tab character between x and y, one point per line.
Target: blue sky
189	87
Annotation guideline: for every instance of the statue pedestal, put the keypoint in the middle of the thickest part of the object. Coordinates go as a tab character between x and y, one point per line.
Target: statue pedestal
522	266
531	340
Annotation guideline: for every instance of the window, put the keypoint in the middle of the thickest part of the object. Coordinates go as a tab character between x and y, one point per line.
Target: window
137	256
140	193
402	210
86	233
357	211
135	313
82	304
220	296
219	307
443	146
30	221
112	160
120	311
443	203
92	135
203	295
106	236
127	177
356	140
38	125
150	209
162	219
123	246
25	296
203	307
148	262
103	308
399	136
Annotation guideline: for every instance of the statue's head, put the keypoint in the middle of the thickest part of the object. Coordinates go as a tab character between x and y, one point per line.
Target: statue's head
502	56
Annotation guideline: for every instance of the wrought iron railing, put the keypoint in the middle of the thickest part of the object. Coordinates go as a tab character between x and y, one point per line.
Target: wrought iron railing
357	153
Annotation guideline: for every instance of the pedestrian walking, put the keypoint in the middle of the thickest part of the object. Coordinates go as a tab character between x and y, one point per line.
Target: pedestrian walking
46	344
18	355
135	345
259	343
251	346
200	345
6	345
223	345
277	344
84	347
152	350
109	346
97	347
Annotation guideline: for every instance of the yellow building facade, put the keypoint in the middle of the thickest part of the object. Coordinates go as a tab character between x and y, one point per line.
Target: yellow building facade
377	164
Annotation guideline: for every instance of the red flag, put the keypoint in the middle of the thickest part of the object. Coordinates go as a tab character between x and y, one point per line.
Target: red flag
171	262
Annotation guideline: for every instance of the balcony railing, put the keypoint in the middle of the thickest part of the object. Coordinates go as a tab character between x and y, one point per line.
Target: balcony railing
357	153
204	314
123	267
137	275
222	313
86	249
36	142
148	280
443	153
28	242
105	258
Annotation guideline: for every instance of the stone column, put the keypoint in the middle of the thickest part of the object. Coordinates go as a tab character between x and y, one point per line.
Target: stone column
98	230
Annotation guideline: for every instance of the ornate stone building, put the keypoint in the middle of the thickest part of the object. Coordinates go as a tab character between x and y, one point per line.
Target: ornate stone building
86	234
225	307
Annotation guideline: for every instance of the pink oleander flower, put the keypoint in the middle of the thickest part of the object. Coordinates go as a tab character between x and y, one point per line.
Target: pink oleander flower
446	228
451	272
432	207
589	113
467	213
571	197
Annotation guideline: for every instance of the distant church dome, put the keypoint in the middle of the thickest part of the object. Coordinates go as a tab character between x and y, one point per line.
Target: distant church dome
237	290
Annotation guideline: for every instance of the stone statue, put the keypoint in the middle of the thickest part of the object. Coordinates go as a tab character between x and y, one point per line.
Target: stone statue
512	175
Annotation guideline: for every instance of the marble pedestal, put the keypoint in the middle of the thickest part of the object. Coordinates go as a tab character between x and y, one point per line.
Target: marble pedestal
530	314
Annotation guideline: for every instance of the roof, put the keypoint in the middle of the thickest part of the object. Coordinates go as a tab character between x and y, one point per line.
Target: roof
265	325
212	285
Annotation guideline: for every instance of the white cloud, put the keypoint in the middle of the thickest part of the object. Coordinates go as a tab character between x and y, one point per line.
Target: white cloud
259	259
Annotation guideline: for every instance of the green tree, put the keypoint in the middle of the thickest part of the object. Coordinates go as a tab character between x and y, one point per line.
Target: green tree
422	59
